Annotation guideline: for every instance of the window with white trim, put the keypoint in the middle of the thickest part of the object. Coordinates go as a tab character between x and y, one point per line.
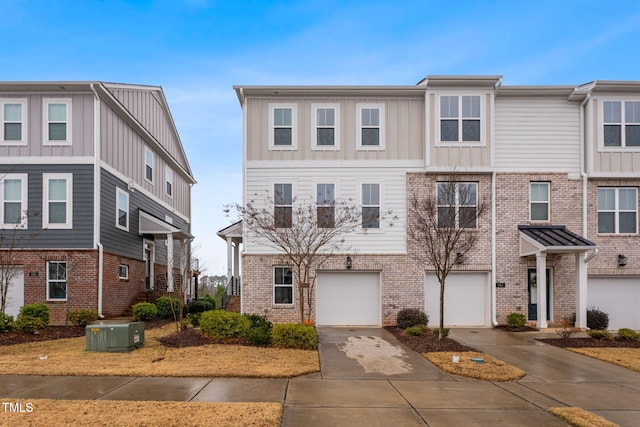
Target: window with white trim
283	205
13	119
57	121
13	193
370	126
148	164
326	209
325	127
460	118
122	209
57	280
57	200
539	201
282	127
169	182
370	205
457	204
123	272
282	286
617	210
621	123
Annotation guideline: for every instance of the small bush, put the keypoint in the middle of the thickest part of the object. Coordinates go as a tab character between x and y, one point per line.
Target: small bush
626	334
29	324
220	324
199	306
164	305
208	298
416	330
599	334
597	319
6	323
516	320
83	317
144	311
291	335
445	332
259	332
38	310
411	317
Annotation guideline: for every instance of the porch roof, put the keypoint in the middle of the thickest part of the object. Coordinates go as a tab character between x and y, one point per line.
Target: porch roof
551	239
149	224
233	231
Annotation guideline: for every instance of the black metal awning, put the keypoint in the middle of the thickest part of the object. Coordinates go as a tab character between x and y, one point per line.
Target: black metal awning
551	239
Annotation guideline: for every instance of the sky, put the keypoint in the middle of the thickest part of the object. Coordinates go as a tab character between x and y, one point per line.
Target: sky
196	50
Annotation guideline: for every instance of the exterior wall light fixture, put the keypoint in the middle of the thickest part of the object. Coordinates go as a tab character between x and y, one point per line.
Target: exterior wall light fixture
349	263
622	260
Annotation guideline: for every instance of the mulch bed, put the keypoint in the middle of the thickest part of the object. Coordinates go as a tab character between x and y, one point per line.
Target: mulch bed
510	329
427	342
589	342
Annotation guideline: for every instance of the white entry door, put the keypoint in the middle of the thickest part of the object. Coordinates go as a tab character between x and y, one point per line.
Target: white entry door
15	295
348	298
466	299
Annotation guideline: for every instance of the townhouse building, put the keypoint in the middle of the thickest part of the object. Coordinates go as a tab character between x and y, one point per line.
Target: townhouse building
557	166
96	195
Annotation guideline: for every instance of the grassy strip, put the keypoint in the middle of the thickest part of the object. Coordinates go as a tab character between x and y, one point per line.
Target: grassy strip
491	370
626	357
578	417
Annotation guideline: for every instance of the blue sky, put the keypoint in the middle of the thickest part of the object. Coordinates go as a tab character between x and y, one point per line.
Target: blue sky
198	49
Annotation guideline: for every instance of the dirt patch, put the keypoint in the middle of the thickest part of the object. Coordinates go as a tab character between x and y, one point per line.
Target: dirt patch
427	342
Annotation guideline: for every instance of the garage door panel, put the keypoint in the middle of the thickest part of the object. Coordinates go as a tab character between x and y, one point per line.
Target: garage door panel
15	294
348	299
466	299
619	297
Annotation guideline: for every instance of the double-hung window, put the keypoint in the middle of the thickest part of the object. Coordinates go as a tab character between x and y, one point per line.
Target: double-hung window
460	119
148	164
617	210
457	204
57	121
58	200
13	191
282	286
326	200
169	182
12	117
283	205
370	205
370	126
56	280
122	209
325	129
539	195
621	123
282	124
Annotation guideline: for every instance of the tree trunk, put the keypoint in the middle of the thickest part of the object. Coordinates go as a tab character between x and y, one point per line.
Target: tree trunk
441	309
301	302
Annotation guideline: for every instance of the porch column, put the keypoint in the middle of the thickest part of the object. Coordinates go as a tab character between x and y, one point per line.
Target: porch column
169	262
581	290
541	278
229	257
236	260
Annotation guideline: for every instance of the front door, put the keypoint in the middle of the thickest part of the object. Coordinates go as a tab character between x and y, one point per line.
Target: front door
533	293
148	266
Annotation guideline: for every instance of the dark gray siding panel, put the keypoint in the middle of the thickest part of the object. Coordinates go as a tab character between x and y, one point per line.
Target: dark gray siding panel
80	236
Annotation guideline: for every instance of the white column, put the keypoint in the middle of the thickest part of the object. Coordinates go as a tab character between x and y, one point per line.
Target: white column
169	262
236	260
229	257
541	278
581	290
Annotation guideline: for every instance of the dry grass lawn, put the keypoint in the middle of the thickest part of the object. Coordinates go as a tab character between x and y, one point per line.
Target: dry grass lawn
491	370
68	357
626	357
47	412
578	417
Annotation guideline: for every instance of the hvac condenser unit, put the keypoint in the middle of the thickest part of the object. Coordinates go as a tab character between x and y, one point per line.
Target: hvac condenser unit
114	336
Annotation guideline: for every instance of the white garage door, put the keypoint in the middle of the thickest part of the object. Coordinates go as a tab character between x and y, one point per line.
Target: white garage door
620	297
348	298
15	294
466	300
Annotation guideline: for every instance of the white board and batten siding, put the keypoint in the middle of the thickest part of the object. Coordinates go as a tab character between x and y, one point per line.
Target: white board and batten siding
537	135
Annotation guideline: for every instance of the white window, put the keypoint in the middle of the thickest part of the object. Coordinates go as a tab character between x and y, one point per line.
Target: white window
57	121
370	205
58	201
56	280
621	123
148	164
457	204
460	119
283	205
169	182
13	119
123	272
122	209
282	286
370	126
326	209
539	196
617	210
326	132
13	192
282	127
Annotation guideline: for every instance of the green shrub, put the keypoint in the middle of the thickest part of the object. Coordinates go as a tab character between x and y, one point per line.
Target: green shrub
165	311
220	324
199	306
416	330
259	332
211	300
597	334
144	311
293	335
38	310
29	324
626	334
516	320
409	317
597	319
83	317
6	323
445	332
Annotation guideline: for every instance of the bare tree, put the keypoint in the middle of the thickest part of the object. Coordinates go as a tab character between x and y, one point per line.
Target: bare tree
306	233
442	228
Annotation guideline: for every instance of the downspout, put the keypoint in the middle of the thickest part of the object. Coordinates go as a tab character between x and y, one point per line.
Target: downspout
245	149
96	199
583	174
494	318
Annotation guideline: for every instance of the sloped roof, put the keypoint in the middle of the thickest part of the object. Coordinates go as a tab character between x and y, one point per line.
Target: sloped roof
551	238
